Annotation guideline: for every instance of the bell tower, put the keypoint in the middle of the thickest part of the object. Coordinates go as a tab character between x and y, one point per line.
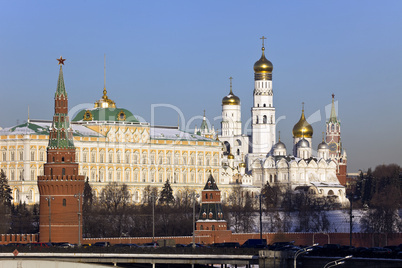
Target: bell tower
60	187
263	111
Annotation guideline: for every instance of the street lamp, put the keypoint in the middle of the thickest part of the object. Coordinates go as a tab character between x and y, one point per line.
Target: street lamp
302	251
194	196
337	262
260	195
49	199
152	195
79	197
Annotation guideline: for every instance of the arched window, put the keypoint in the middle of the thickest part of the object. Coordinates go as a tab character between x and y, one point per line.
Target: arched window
213	227
64	202
63	172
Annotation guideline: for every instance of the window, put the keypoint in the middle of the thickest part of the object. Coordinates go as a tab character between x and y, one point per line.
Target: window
135	160
127	157
118	156
21	155
4	156
32	156
63	172
93	156
64	202
101	157
12	156
264	119
144	157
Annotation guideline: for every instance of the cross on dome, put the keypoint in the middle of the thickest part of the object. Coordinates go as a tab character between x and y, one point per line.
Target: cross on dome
263	38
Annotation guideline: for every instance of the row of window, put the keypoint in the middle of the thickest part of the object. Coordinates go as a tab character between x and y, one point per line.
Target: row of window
145	176
20	155
161	159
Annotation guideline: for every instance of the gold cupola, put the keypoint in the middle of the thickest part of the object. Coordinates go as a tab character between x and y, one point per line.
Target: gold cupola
263	67
231	99
105	102
302	129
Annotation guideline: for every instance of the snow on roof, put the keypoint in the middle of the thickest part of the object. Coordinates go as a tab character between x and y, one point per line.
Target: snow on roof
327	185
41	127
173	133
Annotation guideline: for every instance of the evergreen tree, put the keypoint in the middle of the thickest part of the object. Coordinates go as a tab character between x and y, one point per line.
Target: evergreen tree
166	196
5	190
88	196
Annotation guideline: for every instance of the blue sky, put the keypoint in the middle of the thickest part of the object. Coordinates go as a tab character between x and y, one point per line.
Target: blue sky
182	53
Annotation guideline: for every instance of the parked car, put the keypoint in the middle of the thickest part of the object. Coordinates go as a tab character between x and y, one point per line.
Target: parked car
38	245
255	243
226	245
101	244
150	245
125	245
197	245
64	245
279	245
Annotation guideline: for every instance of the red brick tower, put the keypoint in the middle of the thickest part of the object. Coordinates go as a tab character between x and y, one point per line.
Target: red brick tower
60	187
211	214
336	151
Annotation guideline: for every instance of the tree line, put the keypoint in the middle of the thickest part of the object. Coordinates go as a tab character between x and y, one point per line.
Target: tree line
113	214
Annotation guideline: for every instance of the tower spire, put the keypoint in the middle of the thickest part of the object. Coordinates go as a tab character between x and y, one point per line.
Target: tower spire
231	78
61	89
332	117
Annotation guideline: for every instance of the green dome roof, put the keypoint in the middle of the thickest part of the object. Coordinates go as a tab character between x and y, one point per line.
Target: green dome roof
105	114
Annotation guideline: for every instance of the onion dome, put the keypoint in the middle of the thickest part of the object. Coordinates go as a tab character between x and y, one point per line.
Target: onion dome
230	156
263	65
231	99
323	146
242	165
303	143
279	145
302	129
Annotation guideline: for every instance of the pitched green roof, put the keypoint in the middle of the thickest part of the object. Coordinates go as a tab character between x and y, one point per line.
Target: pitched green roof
61	89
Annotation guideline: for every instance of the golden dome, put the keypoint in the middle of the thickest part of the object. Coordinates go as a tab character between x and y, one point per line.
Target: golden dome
105	102
242	164
302	128
263	65
231	99
230	156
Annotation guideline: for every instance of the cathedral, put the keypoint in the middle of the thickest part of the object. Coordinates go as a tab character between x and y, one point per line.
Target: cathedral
260	158
112	145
